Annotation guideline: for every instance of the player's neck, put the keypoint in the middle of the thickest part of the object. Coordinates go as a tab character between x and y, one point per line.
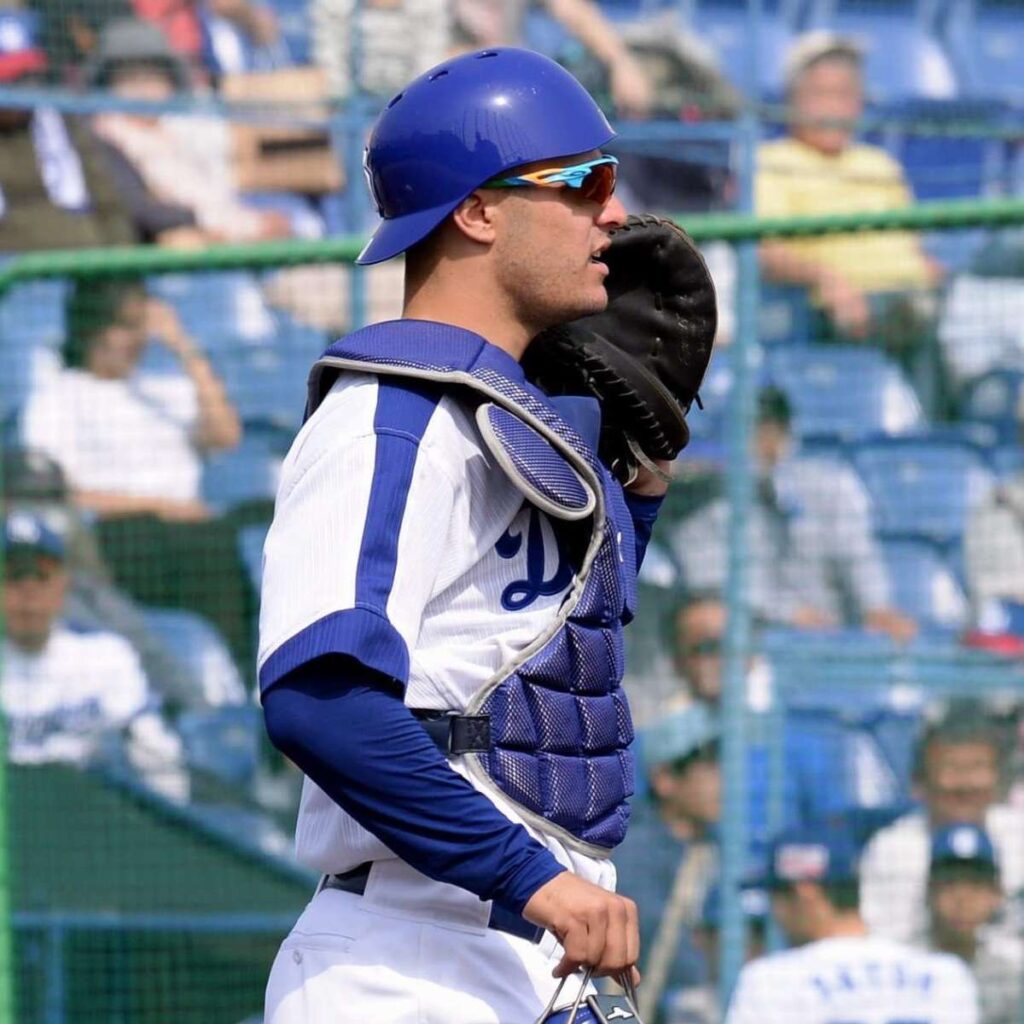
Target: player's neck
468	312
963	946
844	926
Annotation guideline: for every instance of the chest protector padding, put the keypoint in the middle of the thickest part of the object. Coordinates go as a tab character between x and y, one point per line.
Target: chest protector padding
560	722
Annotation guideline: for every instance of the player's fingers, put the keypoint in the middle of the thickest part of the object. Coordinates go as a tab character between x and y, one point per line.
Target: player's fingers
633	934
577	948
615	957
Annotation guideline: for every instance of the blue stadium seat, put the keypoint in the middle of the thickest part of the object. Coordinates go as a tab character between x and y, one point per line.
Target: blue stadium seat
784	316
923	584
296	29
943	161
986	44
223	741
221	309
1007	460
997	399
903	53
31	332
725	26
250	547
200	647
843	392
268	382
248	471
921	487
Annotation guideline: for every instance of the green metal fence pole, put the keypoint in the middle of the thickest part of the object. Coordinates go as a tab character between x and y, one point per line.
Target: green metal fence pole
88	263
737	634
6	935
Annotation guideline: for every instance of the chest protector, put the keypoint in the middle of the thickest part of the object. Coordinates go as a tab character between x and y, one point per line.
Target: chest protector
559	720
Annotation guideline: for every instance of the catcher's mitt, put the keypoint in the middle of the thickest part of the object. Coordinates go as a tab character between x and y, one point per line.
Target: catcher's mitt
645	355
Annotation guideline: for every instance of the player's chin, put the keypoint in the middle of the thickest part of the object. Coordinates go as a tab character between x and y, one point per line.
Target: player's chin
595	295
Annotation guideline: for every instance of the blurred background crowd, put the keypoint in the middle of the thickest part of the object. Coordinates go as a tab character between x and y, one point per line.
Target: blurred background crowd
880	590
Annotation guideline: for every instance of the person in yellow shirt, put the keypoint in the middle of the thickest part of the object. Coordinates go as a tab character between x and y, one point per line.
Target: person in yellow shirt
856	280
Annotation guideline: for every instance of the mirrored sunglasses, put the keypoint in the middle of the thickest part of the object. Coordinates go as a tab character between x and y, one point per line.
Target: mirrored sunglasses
595	179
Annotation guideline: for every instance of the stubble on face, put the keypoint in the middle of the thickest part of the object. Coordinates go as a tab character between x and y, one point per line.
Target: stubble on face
544	259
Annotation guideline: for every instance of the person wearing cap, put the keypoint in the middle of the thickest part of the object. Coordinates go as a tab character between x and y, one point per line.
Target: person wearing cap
815	562
67	695
173	170
699	1004
819	168
31	481
959	775
54	190
836	970
433	655
965	898
670	854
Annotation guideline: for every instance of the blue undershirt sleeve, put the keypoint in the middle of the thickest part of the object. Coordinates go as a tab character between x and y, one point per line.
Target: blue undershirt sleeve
349	731
644	510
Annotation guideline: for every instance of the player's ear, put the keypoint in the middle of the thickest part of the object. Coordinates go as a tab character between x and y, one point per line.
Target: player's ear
474	216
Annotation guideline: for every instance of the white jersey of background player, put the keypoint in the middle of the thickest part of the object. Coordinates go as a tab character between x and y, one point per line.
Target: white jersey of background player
66	694
842	975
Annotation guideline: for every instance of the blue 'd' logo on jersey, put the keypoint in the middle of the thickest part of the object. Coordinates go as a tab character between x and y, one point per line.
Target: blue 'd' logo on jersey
520	594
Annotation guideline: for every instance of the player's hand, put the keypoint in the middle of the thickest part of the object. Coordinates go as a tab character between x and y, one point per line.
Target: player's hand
164	326
846	305
648	484
597	928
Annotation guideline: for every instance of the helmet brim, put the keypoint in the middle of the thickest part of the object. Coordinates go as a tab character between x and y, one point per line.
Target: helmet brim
395	235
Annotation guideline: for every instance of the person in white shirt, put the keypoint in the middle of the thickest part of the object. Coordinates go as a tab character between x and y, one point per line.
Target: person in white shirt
958	777
69	696
965	901
130	441
836	970
815	563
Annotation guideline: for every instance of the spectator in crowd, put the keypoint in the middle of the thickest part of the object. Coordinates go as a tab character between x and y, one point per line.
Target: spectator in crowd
981	325
130	442
994	545
54	192
964	899
242	36
699	1004
814	560
837	970
486	23
669	856
71	29
400	39
833	763
33	482
874	286
67	695
173	171
959	777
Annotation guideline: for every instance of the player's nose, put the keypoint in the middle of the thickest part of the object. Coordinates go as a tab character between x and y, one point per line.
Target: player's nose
613	214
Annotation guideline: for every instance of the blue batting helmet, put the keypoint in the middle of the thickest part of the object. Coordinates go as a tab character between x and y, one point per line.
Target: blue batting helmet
461	124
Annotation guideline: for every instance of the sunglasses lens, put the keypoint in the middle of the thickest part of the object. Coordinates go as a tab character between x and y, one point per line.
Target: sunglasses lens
599	184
